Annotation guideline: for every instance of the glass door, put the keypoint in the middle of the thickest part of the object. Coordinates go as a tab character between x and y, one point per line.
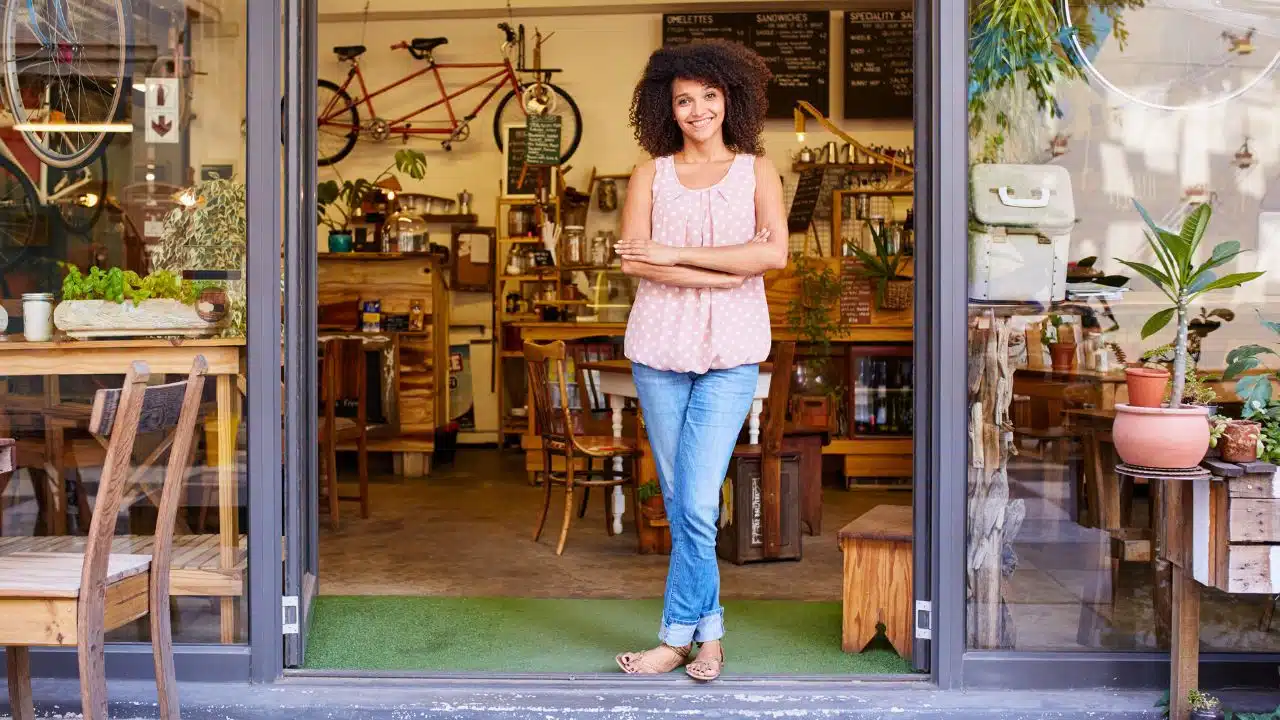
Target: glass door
301	494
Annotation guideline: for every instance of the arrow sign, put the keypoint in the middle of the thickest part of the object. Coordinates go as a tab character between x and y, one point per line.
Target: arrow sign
162	125
160	95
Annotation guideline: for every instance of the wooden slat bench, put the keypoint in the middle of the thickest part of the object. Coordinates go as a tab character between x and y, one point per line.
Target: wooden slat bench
877	577
196	567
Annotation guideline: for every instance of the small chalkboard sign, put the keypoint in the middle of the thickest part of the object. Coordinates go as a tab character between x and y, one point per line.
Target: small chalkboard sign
878	70
520	180
857	293
542	140
805	201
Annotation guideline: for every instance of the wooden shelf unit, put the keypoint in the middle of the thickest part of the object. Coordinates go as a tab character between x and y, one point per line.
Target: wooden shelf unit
507	361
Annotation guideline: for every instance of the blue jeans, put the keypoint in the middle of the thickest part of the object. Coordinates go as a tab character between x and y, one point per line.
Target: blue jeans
693	421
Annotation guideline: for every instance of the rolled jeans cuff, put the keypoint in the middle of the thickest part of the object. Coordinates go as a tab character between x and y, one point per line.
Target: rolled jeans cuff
709	628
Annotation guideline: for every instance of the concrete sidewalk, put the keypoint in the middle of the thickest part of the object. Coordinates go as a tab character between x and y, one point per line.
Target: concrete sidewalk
352	699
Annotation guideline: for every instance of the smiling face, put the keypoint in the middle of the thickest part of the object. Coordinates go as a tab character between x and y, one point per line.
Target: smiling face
699	109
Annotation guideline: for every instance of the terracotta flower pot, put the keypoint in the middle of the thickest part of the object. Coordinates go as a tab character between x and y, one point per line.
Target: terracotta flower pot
1168	438
1063	356
1239	442
1146	386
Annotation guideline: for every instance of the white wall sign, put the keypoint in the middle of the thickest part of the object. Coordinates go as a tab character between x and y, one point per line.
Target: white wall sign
162	110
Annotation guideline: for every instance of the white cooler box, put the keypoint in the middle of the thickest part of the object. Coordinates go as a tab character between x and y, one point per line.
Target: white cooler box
1020	234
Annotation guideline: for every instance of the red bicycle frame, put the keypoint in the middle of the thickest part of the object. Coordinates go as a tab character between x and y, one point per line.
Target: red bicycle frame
401	125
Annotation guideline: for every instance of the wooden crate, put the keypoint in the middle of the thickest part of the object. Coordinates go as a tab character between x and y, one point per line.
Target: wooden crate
1236	528
741	539
877	578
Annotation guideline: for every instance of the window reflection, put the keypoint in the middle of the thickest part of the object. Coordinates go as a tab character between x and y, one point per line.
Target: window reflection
1168	104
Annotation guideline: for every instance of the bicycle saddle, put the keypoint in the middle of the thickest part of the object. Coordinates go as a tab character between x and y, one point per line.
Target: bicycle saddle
426	45
349	52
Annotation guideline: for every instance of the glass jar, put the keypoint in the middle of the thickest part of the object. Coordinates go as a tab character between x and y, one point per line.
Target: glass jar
600	251
404	232
37	316
574	239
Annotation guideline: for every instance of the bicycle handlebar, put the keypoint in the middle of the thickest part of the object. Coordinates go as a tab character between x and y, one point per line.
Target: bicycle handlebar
506	30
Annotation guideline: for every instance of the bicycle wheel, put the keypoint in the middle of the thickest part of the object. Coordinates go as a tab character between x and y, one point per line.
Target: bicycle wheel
511	112
65	65
17	214
337	123
79	196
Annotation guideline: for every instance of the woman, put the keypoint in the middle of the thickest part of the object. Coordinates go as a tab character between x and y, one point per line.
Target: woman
702	222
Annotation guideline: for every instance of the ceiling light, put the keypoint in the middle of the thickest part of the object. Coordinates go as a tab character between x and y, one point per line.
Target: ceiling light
74	127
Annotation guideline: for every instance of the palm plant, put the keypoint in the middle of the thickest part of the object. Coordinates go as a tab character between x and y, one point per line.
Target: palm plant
1182	281
880	263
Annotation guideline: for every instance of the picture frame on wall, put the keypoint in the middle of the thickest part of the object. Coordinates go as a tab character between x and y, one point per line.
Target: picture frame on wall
473	251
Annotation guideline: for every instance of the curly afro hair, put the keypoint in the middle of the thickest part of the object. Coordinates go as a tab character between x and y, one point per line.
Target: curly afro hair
738	72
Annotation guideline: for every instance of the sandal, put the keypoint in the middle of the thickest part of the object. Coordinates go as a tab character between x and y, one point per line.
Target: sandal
705	669
631	663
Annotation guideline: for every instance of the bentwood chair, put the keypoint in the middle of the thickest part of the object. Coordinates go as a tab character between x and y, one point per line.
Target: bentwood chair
342	378
560	439
74	599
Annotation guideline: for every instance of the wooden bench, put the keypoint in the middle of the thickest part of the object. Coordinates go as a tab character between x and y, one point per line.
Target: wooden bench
877	578
197	569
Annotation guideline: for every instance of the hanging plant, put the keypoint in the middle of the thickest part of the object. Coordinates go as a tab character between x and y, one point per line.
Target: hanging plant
1023	44
207	231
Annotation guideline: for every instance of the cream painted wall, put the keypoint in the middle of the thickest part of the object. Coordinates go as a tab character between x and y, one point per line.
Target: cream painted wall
602	57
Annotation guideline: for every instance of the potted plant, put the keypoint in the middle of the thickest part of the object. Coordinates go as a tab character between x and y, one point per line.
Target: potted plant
1203	706
120	303
1154	392
1236	440
207	231
652	530
893	288
1175	435
1255	391
1061	342
340	202
813	317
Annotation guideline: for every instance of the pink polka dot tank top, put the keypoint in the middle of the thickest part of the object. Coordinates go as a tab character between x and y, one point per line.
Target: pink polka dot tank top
700	329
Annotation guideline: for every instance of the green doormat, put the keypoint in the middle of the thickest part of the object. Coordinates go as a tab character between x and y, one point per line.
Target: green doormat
537	635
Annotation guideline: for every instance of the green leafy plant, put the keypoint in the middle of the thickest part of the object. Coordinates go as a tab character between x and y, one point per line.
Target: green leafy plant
208	231
338	202
1201	701
878	264
1217	426
1049	335
1196	391
648	491
1255	389
1023	44
1182	281
116	285
809	312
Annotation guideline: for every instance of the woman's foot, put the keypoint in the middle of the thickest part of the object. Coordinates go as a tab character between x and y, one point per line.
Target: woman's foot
662	659
710	661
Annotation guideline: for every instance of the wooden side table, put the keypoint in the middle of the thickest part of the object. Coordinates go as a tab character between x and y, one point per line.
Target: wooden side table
877	577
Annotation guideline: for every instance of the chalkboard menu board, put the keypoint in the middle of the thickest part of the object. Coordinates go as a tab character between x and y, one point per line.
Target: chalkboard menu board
519	180
878	72
795	45
803	203
542	140
856	293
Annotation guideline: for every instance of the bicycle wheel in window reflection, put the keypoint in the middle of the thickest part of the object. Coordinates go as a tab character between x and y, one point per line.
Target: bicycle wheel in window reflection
17	214
66	74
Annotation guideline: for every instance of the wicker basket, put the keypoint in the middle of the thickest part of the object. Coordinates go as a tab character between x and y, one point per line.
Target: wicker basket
897	295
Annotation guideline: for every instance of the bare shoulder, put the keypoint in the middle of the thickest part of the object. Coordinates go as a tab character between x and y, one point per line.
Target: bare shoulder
766	172
645	170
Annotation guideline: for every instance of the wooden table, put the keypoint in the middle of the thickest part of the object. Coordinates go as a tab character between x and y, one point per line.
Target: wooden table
615	381
107	357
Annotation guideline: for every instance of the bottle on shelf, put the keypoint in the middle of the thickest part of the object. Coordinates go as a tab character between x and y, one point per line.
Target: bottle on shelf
882	396
860	398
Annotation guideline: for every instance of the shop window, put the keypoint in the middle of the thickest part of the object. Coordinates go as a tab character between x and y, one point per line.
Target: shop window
1089	129
122	238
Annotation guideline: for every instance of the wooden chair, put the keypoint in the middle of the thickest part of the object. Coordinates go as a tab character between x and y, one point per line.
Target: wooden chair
556	426
770	447
342	377
71	599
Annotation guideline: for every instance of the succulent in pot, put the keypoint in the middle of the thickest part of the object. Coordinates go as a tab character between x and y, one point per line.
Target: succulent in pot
1175	435
885	265
1203	706
1061	339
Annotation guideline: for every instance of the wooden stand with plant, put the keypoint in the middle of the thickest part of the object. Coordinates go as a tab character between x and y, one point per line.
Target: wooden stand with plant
652	529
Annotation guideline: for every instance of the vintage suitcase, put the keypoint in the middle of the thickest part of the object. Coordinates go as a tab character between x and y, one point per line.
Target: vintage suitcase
1020	233
741	536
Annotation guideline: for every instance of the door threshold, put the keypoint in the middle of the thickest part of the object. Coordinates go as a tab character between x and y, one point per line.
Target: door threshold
599	679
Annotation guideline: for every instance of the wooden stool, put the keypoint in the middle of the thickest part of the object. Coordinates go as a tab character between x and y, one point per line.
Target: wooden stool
877	578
